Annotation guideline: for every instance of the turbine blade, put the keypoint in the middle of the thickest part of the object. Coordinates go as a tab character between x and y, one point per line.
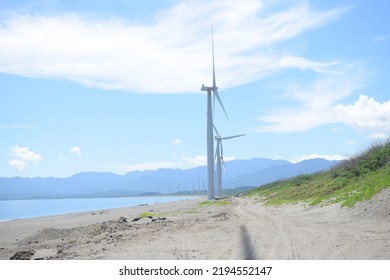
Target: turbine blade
213	103
212	46
223	162
220	102
230	137
216	151
216	131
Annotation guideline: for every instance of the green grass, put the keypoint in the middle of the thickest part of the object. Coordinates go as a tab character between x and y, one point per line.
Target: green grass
356	179
145	214
151	214
214	202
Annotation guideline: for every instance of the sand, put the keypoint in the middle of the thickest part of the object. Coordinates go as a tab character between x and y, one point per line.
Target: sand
243	229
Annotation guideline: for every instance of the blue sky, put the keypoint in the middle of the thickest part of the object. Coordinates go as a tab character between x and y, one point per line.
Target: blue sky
115	85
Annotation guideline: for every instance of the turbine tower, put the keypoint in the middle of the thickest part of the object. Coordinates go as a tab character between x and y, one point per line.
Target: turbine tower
219	159
212	93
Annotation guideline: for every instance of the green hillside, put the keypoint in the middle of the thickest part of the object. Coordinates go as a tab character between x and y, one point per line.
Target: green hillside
356	179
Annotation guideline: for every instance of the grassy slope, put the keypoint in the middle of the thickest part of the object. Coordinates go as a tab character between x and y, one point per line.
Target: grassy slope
356	179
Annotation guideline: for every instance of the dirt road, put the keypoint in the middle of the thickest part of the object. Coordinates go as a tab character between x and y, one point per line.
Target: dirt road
243	229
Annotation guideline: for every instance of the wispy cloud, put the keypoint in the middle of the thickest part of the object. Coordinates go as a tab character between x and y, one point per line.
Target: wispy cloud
22	157
296	159
315	101
193	161
167	55
76	150
381	38
185	162
366	115
379	135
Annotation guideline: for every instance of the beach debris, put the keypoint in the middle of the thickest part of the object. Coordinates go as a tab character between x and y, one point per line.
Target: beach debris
240	194
158	219
153	219
122	219
44	254
221	216
23	255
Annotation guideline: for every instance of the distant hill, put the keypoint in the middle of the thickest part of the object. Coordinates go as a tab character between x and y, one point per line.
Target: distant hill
239	173
278	172
353	180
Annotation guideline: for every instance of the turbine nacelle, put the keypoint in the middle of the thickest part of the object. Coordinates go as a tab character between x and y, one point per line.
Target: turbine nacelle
204	88
218	158
212	94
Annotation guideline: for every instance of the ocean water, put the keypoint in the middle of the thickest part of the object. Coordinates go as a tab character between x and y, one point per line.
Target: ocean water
22	209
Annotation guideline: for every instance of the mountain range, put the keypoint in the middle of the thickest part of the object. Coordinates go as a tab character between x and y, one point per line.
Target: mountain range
238	173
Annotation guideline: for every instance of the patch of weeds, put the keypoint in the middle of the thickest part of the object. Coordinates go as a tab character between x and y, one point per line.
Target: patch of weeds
356	179
214	202
145	215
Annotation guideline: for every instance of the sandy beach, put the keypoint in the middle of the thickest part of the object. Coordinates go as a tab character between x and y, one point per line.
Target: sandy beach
242	228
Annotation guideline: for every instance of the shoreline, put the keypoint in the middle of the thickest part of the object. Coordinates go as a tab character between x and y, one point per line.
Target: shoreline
29	225
239	228
131	204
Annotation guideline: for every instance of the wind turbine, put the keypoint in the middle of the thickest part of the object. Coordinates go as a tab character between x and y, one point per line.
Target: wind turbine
212	93
219	159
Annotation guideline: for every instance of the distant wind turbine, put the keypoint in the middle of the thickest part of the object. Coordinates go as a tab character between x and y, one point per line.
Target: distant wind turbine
212	93
219	159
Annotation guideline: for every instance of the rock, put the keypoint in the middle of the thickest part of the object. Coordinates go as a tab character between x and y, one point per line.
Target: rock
44	254
23	255
122	219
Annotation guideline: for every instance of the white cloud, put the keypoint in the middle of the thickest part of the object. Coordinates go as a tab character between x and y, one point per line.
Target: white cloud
176	142
155	57
22	156
381	38
319	102
378	135
229	158
192	161
315	103
366	114
186	162
76	150
296	159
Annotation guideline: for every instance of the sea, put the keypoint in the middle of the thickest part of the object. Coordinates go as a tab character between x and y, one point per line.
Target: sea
31	208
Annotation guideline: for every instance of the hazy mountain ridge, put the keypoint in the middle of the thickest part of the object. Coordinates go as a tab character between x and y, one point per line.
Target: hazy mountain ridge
253	172
274	173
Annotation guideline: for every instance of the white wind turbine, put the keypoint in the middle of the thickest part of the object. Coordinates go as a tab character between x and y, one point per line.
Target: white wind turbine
212	93
219	159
